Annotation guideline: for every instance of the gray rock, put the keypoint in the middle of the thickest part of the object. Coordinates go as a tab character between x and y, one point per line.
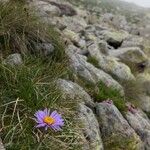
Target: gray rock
107	17
145	31
65	9
120	22
103	46
74	37
72	49
75	23
90	29
13	60
94	32
113	124
75	92
114	38
45	48
97	30
144	80
144	102
45	9
90	127
110	64
133	55
90	73
133	41
82	44
141	124
90	36
134	30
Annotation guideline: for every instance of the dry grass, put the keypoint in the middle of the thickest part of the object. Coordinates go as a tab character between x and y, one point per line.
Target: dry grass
31	86
21	30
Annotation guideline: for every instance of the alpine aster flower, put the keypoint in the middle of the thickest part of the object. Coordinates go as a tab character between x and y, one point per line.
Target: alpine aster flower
46	119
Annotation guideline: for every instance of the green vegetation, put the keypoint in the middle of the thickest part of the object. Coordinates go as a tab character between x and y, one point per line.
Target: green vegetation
108	93
101	92
93	61
32	86
21	30
23	91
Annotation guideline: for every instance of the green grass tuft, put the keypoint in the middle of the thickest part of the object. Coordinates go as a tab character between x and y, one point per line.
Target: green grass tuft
93	61
105	93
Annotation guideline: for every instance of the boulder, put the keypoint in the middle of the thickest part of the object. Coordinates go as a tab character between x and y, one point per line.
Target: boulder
115	129
75	23
91	74
144	102
133	55
65	9
144	80
45	9
120	22
90	127
74	91
90	36
145	31
110	64
95	30
74	37
114	38
103	46
133	41
141	124
107	17
13	60
72	49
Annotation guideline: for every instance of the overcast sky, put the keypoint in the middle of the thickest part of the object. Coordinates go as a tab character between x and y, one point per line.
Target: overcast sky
144	3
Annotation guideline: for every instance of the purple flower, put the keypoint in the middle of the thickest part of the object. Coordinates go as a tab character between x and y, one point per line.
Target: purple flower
46	119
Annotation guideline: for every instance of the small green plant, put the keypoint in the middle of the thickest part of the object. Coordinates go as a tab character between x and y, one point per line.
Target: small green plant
108	93
93	61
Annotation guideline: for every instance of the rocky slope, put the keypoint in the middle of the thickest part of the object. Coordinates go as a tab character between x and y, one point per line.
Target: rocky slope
103	48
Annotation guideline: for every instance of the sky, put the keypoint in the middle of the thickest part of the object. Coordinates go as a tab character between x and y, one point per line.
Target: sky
144	3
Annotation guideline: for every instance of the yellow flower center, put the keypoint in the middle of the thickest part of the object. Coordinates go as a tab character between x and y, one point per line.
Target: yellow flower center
49	120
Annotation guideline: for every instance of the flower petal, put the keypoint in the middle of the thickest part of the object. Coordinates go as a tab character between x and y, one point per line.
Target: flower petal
56	128
40	114
53	114
41	125
47	111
